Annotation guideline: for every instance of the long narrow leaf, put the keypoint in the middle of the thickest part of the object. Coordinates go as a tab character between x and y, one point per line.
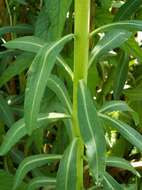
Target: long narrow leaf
55	84
110	183
21	63
18	130
111	40
19	29
37	79
67	173
131	25
121	163
41	182
127	10
92	133
31	163
125	130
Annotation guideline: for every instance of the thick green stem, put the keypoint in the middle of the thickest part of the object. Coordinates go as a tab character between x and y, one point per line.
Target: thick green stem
81	50
81	47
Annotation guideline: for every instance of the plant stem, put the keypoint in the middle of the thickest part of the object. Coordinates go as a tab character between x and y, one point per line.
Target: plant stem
81	47
81	50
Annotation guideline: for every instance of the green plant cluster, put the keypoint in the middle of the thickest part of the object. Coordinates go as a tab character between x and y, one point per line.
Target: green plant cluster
70	94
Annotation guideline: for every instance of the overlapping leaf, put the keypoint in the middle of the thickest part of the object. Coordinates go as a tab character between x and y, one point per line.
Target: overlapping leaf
18	130
125	130
91	132
31	163
111	40
41	182
67	173
37	79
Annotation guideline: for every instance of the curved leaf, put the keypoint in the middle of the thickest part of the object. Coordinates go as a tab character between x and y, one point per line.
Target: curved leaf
51	20
55	84
18	130
19	29
34	44
111	40
21	63
125	130
26	43
31	163
41	182
121	163
37	79
131	25
110	183
127	10
114	105
92	133
67	172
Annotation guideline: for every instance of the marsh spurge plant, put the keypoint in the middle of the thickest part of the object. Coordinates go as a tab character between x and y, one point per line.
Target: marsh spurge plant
87	122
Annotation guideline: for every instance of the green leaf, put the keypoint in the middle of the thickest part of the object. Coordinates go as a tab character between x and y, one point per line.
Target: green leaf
125	130
121	73
26	43
91	132
33	44
67	172
55	84
111	40
62	63
134	94
117	105
121	163
41	182
39	73
110	183
131	25
19	29
31	163
6	114
127	10
21	63
18	130
132	48
51	20
7	180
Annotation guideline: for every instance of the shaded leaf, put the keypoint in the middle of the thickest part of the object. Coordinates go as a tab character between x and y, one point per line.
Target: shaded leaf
18	130
31	163
41	182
